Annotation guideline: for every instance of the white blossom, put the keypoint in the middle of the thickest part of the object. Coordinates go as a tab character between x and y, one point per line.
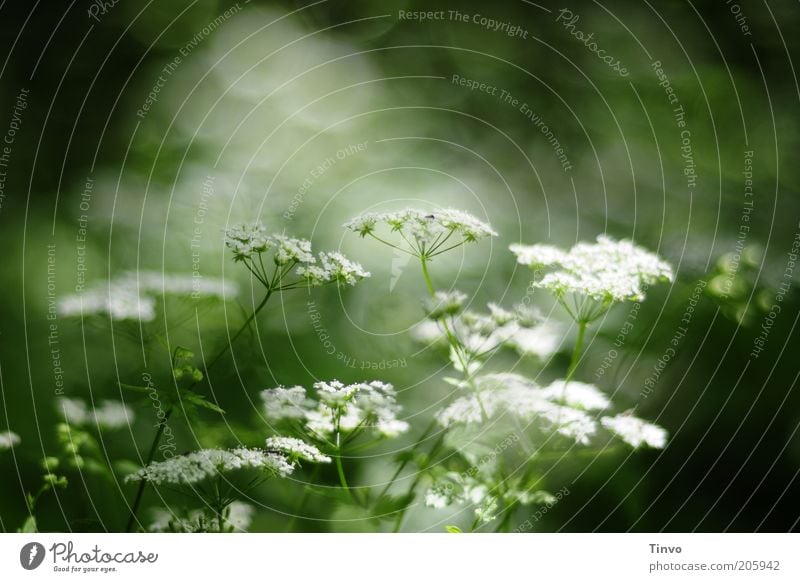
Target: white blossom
108	414
577	395
426	231
607	270
285	403
332	267
445	304
8	440
296	449
118	301
635	431
199	465
237	517
245	240
291	250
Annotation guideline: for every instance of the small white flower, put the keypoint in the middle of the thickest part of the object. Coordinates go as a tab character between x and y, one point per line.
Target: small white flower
538	256
8	440
109	414
445	304
577	395
427	232
239	515
371	405
205	463
333	267
285	403
296	449
245	240
291	250
607	270
635	431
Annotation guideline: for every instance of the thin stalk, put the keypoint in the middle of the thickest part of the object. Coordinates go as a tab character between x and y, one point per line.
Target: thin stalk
303	498
576	352
162	426
142	484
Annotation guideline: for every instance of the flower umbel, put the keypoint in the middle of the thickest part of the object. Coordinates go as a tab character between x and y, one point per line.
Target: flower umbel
424	233
603	272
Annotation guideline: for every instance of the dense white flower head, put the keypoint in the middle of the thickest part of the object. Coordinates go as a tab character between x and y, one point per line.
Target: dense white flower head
285	403
332	267
296	449
372	405
291	250
108	414
635	431
246	240
132	294
117	301
427	232
8	440
363	405
577	395
199	465
521	329
607	270
514	394
445	304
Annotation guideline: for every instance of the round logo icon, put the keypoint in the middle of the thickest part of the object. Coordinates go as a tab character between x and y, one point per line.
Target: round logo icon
31	555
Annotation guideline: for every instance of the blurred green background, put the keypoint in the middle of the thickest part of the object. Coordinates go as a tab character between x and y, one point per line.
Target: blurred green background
254	97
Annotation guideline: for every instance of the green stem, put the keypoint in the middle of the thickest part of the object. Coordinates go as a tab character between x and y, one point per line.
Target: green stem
160	432
143	483
576	352
303	498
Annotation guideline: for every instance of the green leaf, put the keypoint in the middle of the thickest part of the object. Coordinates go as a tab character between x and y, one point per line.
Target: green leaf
198	400
28	526
452	529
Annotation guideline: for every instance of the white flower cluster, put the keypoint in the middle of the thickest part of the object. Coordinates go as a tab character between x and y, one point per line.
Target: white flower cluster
205	463
445	304
8	440
249	241
364	405
458	488
635	431
430	231
237	517
132	295
332	267
607	270
109	414
521	329
558	407
296	449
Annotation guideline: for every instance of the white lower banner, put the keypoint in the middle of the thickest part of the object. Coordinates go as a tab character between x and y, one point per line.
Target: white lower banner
380	557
